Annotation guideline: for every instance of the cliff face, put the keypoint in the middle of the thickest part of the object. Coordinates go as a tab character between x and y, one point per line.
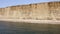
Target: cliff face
41	11
54	9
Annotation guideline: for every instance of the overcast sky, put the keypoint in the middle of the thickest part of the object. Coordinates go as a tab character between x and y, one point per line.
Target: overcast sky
5	3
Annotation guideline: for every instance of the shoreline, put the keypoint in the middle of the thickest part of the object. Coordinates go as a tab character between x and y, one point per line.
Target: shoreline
32	21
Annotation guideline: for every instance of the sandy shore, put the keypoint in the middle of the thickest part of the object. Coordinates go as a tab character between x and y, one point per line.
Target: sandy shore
33	21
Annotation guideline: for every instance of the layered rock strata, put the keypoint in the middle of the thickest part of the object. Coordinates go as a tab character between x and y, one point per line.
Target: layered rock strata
38	11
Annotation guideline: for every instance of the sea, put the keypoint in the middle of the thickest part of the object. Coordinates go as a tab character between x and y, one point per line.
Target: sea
7	27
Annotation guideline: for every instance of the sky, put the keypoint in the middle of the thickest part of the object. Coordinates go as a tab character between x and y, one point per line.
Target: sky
6	3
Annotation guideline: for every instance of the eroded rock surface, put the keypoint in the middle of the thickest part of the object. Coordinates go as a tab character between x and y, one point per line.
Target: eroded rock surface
39	11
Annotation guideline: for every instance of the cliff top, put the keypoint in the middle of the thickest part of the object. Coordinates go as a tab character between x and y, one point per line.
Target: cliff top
33	4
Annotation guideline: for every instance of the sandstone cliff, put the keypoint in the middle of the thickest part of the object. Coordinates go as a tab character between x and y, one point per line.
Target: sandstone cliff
39	11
